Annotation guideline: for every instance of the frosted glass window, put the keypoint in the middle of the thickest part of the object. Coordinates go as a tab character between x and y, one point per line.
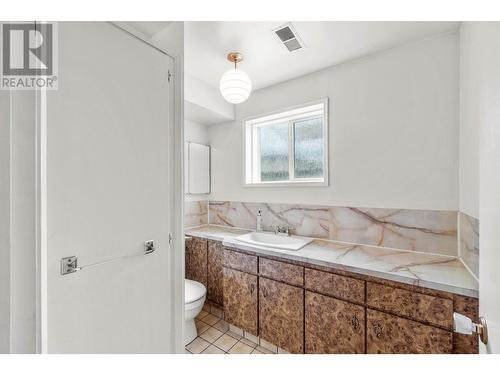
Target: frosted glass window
274	152
289	147
308	150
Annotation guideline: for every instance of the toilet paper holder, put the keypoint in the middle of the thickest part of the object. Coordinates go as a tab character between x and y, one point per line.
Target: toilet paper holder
465	325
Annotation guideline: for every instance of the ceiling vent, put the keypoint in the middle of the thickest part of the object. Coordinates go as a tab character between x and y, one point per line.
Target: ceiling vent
288	37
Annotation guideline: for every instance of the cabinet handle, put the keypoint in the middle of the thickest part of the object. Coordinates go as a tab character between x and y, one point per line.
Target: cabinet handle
377	328
252	288
355	322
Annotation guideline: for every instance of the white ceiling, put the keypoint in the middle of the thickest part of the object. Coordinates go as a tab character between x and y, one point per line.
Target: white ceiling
268	62
149	28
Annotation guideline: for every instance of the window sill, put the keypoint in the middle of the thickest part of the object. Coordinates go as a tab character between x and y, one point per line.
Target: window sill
286	184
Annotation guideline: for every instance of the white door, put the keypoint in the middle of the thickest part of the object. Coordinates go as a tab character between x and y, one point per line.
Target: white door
108	184
488	40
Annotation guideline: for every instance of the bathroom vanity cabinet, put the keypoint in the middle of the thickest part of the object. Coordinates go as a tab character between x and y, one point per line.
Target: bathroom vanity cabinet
240	289
196	260
281	304
429	309
281	314
215	272
241	300
305	308
388	333
203	263
333	325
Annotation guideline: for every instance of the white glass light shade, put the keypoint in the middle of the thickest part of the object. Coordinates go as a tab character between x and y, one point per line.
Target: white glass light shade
235	86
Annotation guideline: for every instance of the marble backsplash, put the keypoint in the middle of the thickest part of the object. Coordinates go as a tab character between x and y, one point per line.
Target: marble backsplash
417	230
469	242
195	213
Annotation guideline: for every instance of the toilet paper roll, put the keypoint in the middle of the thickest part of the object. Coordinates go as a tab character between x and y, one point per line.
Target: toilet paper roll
463	324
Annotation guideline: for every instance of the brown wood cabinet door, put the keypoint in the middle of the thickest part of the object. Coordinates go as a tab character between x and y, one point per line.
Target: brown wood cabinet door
333	326
281	315
196	260
240	300
387	333
215	272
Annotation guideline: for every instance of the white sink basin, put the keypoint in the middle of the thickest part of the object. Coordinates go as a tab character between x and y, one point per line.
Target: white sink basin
273	241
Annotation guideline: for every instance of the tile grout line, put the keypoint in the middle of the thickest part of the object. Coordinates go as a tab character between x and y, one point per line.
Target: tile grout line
223	333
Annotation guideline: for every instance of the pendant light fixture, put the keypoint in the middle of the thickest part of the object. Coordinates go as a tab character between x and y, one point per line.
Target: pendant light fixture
235	85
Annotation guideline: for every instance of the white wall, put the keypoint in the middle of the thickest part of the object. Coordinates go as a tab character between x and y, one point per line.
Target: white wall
393	131
469	122
17	222
204	102
4	222
195	132
23	222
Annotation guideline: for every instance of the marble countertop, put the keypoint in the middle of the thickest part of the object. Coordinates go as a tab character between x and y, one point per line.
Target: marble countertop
215	232
439	272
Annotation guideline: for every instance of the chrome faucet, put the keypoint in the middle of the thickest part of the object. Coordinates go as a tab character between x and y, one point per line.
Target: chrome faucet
282	230
259	221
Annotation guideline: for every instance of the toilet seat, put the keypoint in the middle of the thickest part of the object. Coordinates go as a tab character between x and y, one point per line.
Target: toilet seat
193	291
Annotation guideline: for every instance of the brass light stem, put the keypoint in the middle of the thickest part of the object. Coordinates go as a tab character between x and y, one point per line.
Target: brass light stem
235	57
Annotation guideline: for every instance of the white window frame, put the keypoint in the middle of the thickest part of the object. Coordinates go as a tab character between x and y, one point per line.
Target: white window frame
251	156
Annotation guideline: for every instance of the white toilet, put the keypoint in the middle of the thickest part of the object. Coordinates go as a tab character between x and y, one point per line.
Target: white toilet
194	295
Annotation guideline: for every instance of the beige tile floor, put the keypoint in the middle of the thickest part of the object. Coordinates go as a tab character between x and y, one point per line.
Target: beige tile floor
214	337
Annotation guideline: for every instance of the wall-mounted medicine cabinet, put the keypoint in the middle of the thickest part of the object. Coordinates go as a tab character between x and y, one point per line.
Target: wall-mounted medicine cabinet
197	170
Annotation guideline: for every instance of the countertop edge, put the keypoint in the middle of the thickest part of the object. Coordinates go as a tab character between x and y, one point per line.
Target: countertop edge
362	271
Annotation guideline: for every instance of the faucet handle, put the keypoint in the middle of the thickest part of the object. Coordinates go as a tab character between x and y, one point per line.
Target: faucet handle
282	230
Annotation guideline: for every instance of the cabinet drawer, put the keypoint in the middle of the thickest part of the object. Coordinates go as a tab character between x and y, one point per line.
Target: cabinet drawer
413	305
387	333
280	271
239	261
335	285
